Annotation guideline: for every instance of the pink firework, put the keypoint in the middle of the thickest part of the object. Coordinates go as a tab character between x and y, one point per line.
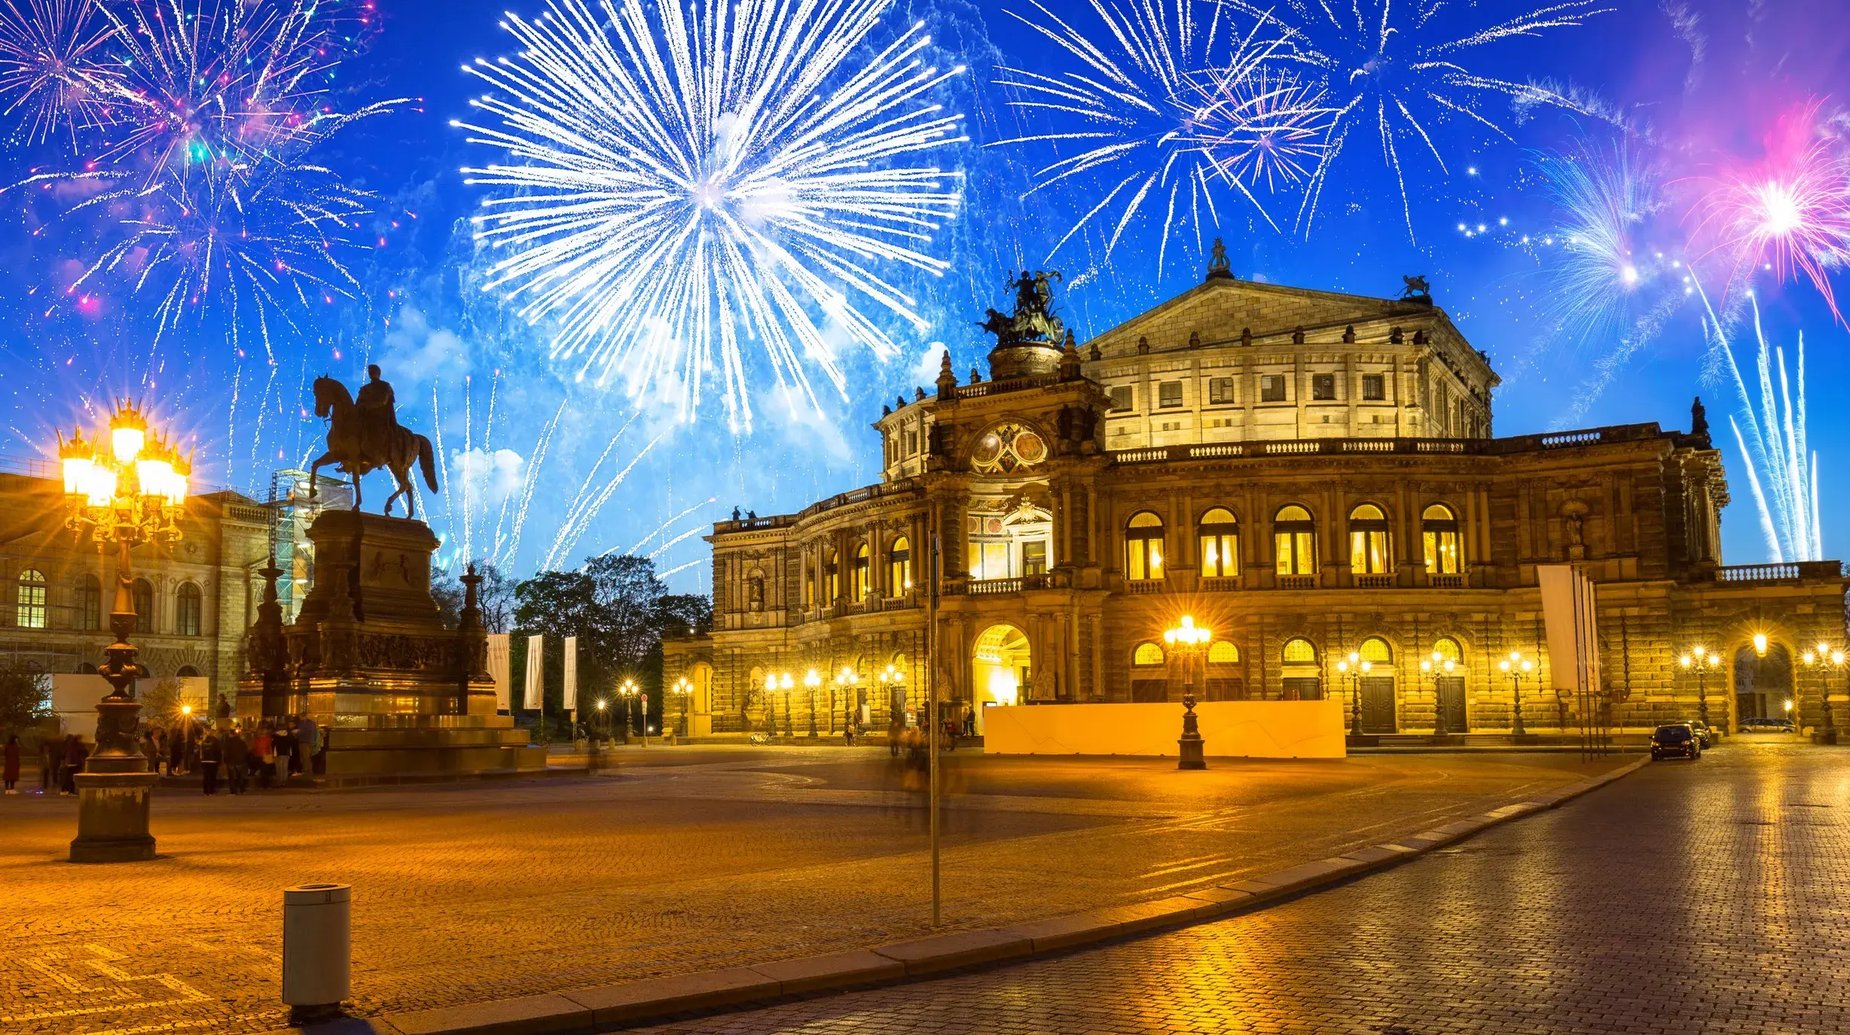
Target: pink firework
1789	212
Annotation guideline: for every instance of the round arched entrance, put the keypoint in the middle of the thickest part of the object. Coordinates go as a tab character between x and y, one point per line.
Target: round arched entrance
1000	668
1763	687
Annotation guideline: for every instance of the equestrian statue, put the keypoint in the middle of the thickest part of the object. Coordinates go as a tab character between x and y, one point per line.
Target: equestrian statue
364	435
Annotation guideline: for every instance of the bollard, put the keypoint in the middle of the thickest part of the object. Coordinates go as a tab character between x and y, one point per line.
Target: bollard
316	949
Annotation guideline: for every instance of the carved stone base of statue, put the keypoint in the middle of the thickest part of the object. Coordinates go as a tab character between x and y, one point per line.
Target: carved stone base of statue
396	695
113	791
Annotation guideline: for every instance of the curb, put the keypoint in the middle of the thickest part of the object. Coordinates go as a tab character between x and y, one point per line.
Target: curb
587	1010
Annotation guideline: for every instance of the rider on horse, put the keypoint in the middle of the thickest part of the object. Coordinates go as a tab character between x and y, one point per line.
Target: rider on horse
378	412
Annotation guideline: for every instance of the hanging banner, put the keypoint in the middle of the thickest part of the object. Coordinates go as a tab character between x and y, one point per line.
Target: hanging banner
500	670
571	675
536	664
1569	616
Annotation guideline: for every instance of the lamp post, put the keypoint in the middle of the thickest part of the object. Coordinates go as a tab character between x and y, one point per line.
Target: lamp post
811	680
1825	658
1435	666
1516	666
629	690
126	488
1355	667
1702	661
844	681
603	722
1188	640
892	682
683	689
779	684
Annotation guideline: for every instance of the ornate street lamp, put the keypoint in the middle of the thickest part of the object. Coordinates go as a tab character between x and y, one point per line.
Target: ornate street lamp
1825	658
1436	666
1355	668
683	690
1516	666
127	488
629	690
603	722
1702	661
893	681
844	681
1189	640
811	680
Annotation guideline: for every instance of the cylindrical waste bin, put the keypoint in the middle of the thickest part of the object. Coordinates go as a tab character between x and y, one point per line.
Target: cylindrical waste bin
316	949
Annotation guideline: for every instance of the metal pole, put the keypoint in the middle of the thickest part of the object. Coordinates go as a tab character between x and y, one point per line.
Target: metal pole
644	696
931	707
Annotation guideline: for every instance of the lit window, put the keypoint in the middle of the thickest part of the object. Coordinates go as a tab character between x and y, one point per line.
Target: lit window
899	567
31	613
831	571
1294	540
1219	536
1299	652
1368	541
1147	654
1444	550
1223	653
1144	537
863	572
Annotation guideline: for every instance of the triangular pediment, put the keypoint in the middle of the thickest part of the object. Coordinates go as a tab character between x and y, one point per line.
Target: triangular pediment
1222	308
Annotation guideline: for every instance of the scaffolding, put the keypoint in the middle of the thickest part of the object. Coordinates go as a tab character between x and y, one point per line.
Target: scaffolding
291	512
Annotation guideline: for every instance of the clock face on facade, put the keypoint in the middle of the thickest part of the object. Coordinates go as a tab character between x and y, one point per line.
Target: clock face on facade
1006	448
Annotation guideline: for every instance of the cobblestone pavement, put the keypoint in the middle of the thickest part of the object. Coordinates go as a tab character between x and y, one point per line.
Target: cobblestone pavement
681	859
1710	896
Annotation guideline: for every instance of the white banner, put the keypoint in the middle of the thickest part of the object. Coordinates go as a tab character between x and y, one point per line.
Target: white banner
571	674
1569	615
536	665
500	670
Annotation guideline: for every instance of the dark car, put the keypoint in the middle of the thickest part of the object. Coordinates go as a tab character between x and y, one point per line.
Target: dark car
1703	733
1675	740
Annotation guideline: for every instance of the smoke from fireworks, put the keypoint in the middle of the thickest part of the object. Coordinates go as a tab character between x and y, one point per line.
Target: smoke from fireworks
1148	108
686	183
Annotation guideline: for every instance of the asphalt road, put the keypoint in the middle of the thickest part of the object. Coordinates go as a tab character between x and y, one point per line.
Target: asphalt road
682	859
1709	896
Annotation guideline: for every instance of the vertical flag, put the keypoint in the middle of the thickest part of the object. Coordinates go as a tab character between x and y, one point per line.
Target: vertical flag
571	675
1569	613
501	671
536	663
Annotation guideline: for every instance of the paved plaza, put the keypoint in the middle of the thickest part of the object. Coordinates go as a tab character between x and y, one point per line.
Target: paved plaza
1689	897
680	859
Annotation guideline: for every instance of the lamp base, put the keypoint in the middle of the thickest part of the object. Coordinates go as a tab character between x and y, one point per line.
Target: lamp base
112	817
1189	753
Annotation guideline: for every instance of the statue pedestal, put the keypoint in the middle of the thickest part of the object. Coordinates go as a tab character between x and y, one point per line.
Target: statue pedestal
112	799
397	696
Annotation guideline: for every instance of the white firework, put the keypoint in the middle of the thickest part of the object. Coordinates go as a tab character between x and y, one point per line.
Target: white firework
683	184
1141	111
1269	129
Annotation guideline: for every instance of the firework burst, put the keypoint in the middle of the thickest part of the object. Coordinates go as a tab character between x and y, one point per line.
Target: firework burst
686	183
1270	129
1787	214
54	75
1393	76
1153	94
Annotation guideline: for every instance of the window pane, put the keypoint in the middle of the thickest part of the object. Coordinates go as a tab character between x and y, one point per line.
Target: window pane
1169	393
1272	388
1034	557
1323	386
1220	390
1120	397
1374	386
1135	567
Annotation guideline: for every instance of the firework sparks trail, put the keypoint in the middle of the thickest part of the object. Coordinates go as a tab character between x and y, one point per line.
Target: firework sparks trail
673	519
1395	76
590	502
684	183
1164	85
54	75
1788	213
1782	468
1270	126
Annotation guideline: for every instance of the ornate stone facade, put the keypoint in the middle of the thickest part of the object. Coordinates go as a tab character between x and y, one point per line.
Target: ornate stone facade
1309	474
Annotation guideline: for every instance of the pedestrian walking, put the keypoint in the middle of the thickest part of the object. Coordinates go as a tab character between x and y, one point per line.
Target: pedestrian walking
308	745
263	746
74	755
208	761
283	743
237	762
176	748
151	748
49	755
9	763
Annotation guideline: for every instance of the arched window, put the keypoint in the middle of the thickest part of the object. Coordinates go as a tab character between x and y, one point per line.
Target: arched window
1368	541
863	571
1220	544
1294	541
143	594
89	603
831	575
1223	653
1444	550
189	607
31	612
899	567
1144	538
86	669
1299	652
187	672
1447	649
1147	654
1376	651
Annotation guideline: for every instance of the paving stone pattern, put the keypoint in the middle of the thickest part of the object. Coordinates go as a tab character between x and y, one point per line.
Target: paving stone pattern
681	860
1689	897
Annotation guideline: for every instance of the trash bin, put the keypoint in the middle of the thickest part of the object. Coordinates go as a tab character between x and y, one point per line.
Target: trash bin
316	949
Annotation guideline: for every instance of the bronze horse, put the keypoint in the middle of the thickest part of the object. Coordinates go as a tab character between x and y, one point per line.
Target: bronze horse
401	447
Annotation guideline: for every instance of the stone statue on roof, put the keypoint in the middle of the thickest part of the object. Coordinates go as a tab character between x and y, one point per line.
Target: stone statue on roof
1033	319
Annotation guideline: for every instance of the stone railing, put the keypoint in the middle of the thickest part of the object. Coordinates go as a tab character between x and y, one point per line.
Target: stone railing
1792	572
1297	582
1222	584
1445	581
1381	446
1374	581
1146	585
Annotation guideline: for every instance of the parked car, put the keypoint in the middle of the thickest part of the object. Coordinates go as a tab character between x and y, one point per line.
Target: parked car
1675	740
1768	726
1703	733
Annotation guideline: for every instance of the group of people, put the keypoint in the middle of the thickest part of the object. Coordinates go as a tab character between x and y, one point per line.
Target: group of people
267	752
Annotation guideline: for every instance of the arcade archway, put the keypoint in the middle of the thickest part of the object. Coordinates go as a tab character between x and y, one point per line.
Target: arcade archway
1000	668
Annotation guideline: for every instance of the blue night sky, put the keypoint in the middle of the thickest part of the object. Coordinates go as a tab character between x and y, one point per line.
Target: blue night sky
1688	107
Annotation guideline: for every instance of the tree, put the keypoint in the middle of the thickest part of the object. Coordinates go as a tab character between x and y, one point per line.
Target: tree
496	597
25	698
161	703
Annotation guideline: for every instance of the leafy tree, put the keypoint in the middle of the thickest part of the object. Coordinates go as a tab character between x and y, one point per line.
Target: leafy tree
497	597
25	698
161	703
